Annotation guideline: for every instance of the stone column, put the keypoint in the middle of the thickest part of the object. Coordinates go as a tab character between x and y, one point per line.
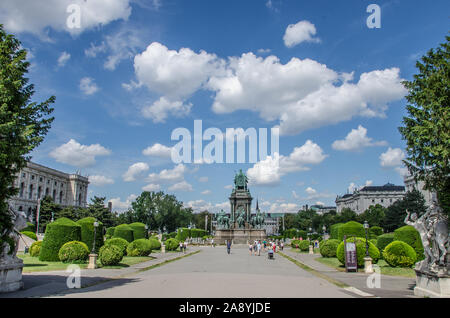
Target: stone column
368	268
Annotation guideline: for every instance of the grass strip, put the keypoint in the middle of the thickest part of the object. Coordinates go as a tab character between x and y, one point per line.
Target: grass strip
315	272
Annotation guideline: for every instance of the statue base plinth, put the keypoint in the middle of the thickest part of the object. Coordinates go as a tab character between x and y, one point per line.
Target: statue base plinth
430	284
11	277
240	236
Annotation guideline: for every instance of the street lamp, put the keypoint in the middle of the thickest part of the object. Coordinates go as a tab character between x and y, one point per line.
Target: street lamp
146	230
93	256
368	269
366	227
95	234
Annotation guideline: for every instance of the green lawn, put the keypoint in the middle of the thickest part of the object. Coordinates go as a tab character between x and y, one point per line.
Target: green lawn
297	250
385	268
33	264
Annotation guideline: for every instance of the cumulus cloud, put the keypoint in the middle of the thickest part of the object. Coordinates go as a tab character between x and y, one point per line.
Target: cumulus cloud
122	206
100	181
168	175
182	186
77	155
63	58
151	187
206	192
270	170
356	140
202	205
302	31
203	179
35	16
88	86
158	150
162	108
135	171
392	158
283	208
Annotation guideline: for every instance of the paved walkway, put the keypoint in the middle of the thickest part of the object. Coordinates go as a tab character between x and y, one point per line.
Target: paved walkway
41	284
215	274
390	286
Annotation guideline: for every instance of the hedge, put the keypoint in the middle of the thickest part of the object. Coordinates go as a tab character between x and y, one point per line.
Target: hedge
399	254
303	234
334	230
350	229
183	234
73	252
139	247
384	240
56	235
124	231
303	245
295	243
87	233
290	233
195	233
411	236
328	248
171	244
155	244
110	255
375	231
30	228
374	242
35	248
31	235
360	251
139	231
110	232
120	242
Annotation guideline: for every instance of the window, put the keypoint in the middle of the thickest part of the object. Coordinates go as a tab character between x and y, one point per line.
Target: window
48	181
47	192
30	194
54	195
40	179
22	186
56	183
24	175
39	192
60	197
373	200
32	177
382	200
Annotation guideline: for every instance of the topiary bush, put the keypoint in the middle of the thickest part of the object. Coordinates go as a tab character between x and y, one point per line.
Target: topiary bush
410	236
303	245
87	233
110	255
290	233
73	252
374	242
139	247
139	231
183	234
295	243
124	231
375	231
399	254
35	248
328	248
383	241
31	235
171	244
360	251
56	235
350	229
109	232
30	228
119	242
155	244
303	234
334	230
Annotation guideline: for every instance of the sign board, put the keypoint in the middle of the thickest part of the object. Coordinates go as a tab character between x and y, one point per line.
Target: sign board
351	260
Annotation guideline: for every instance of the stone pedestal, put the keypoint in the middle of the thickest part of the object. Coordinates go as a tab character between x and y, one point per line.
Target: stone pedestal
311	249
92	261
368	268
430	284
11	277
240	236
163	249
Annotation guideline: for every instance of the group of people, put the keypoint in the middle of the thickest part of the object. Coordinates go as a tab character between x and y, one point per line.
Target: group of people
183	246
255	248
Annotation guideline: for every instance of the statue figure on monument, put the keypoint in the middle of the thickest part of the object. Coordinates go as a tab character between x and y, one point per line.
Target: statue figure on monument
241	217
240	180
8	252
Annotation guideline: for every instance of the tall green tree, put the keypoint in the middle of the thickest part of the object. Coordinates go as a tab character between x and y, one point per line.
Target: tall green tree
48	210
374	215
426	129
23	123
98	210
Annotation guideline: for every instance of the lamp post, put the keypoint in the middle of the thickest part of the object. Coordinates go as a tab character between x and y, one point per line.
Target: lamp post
311	247
93	256
368	269
146	230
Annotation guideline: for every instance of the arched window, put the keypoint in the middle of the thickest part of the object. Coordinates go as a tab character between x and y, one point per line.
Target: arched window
60	197
54	195
22	188
39	192
30	194
47	191
79	199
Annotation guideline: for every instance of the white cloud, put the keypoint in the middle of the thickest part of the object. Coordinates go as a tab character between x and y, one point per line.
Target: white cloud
94	50
310	191
88	86
392	158
168	175
203	179
206	192
320	203
135	171
264	51
228	186
356	140
283	208
202	205
35	16
77	155
151	187
303	31
63	58
270	170
295	195
120	206
100	181
160	110
181	186
158	150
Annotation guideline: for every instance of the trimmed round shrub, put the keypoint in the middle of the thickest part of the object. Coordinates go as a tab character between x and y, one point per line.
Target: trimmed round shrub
73	252
328	248
109	232
119	242
30	228
375	231
290	233
139	247
304	245
383	241
334	230
35	248
350	229
87	233
139	231
295	243
316	237
31	235
110	255
56	235
155	244
399	254
171	244
360	251
124	231
374	242
410	236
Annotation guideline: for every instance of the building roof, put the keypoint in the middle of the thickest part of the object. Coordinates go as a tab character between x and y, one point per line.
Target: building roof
388	187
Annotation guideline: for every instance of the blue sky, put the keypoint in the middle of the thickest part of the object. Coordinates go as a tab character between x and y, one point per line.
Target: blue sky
136	70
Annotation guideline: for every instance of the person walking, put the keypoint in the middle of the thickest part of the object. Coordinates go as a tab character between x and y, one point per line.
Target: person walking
282	245
228	246
255	247
212	243
181	246
259	248
185	246
250	248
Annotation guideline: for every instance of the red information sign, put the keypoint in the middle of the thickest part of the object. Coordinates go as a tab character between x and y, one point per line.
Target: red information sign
351	260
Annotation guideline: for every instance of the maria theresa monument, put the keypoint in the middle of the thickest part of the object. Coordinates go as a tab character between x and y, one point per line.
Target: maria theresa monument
240	225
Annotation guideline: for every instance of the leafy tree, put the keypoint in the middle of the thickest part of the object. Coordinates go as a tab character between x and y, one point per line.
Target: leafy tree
23	123
345	216
199	220
374	215
427	127
289	221
47	211
98	210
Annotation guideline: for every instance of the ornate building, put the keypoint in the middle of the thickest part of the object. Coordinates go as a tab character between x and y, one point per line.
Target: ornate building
36	182
362	199
412	184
